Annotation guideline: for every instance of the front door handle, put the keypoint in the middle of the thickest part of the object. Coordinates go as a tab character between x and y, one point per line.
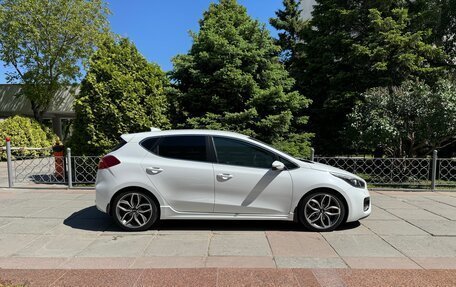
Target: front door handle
153	170
224	176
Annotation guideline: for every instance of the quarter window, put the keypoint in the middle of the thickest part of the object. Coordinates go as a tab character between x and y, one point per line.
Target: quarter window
183	147
235	152
150	144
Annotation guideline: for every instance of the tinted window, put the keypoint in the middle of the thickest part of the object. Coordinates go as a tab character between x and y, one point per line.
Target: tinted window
235	152
183	147
150	144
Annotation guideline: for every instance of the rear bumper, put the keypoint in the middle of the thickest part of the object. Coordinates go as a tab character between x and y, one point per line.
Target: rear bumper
103	189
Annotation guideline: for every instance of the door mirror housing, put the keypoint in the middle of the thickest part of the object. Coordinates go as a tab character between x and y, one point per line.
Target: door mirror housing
278	165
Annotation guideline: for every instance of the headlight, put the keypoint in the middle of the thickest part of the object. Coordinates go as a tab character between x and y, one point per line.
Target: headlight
350	180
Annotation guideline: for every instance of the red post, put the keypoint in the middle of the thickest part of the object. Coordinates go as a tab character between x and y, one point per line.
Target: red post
58	150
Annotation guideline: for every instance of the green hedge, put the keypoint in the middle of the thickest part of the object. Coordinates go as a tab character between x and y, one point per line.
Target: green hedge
25	132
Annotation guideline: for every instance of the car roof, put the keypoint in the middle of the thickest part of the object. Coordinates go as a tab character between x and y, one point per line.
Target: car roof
140	136
137	137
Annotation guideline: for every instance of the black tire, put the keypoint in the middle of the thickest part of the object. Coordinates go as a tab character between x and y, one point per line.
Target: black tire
329	222
138	213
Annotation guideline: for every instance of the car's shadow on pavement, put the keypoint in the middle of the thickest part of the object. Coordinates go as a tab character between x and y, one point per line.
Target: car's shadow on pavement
91	219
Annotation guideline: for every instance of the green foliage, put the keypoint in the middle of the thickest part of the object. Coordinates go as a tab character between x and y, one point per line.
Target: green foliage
290	23
348	47
392	53
232	79
409	120
439	16
121	93
26	132
351	46
45	41
297	145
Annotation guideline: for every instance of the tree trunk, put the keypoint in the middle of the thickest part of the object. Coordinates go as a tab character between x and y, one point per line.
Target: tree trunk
37	114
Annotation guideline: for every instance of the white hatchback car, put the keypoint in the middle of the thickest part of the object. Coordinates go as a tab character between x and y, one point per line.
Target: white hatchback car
204	174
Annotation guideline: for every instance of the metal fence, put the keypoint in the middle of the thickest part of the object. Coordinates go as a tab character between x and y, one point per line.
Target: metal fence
385	171
39	166
446	172
66	170
71	170
84	169
41	169
401	172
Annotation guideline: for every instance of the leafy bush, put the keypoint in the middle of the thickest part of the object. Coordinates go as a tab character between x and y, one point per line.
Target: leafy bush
25	132
411	120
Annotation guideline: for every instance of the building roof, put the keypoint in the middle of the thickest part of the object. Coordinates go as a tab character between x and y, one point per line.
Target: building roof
12	103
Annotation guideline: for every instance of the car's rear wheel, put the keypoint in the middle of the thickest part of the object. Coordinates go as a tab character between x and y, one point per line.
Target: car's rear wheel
135	211
322	211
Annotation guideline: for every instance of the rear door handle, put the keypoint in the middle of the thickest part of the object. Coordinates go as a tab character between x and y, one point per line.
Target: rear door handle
224	176
153	170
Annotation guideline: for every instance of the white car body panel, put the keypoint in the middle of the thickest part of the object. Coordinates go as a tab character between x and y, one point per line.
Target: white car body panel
190	190
252	190
186	185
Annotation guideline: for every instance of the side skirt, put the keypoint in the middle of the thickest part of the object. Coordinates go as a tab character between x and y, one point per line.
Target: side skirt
166	212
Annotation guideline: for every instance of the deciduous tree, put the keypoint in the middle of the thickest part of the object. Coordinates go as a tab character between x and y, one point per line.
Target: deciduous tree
46	41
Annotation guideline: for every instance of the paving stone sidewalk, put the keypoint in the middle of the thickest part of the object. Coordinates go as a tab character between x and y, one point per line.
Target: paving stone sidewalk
61	229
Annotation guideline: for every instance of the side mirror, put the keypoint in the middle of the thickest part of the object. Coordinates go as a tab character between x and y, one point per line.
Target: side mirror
277	165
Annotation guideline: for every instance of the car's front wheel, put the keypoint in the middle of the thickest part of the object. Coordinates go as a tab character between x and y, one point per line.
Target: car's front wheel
322	211
135	211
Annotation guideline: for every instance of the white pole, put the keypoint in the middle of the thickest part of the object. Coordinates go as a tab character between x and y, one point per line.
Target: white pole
69	173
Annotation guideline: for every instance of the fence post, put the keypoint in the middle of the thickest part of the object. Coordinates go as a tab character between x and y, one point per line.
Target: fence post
9	162
434	169
69	173
312	154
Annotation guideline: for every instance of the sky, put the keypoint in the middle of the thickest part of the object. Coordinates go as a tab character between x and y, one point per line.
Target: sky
160	28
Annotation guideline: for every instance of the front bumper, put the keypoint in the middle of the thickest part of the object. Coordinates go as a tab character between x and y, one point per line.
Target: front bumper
359	202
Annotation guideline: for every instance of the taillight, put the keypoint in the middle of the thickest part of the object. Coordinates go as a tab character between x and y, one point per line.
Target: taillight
108	161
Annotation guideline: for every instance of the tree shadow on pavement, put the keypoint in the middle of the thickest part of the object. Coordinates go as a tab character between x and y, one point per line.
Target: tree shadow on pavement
91	219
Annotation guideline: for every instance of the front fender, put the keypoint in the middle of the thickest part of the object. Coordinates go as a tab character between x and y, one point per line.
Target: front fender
307	180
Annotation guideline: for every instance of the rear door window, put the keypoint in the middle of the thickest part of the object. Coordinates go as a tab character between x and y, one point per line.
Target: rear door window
183	147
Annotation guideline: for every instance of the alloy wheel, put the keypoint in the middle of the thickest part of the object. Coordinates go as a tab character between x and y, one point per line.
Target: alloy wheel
134	210
322	211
